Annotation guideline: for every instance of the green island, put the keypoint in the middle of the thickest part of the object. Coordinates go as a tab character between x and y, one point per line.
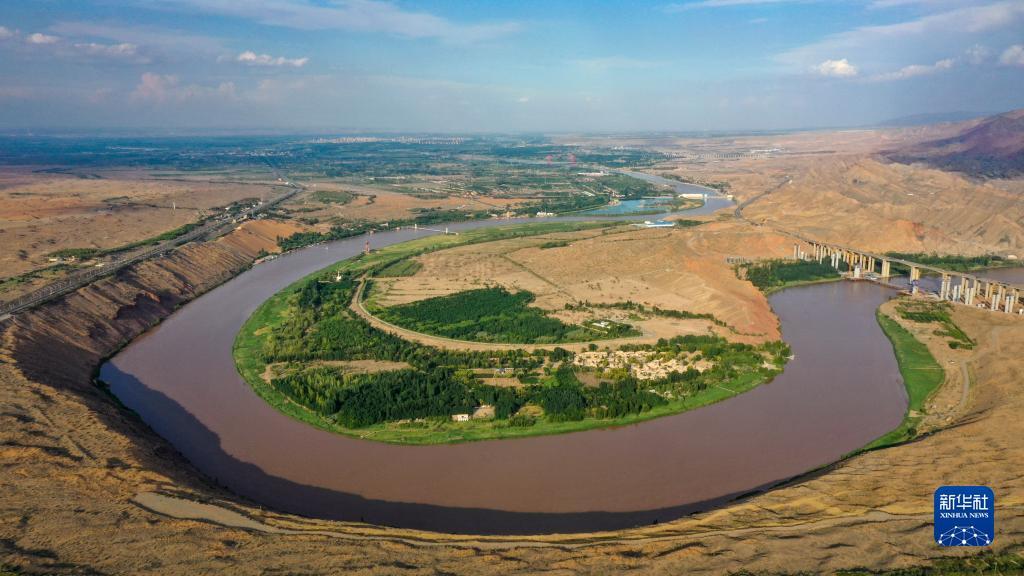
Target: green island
307	353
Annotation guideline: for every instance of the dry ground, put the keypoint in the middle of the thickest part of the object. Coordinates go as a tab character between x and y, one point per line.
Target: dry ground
79	478
43	212
259	235
381	204
677	269
850	200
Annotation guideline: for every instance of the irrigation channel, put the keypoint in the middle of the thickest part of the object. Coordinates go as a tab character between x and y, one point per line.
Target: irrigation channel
841	391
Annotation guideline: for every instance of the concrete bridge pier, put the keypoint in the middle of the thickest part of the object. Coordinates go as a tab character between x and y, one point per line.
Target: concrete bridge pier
915	275
955	286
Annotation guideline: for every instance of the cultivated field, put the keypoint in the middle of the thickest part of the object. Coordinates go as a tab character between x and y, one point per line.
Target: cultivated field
683	269
329	202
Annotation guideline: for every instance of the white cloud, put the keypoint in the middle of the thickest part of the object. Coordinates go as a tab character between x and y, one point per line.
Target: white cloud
354	15
1013	56
5	33
169	42
254	59
159	88
938	29
154	87
837	68
40	38
977	54
915	70
523	99
122	50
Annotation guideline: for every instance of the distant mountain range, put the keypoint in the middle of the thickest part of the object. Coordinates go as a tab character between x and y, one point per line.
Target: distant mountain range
931	118
991	147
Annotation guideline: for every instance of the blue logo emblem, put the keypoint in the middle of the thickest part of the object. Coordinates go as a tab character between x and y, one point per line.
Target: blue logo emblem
965	516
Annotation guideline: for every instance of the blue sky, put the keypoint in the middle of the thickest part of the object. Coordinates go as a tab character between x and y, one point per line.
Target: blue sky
549	66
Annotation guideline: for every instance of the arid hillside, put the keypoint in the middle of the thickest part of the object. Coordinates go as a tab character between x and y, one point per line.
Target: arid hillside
877	206
87	325
992	147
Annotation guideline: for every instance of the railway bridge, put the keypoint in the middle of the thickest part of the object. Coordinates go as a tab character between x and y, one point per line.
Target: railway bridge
959	287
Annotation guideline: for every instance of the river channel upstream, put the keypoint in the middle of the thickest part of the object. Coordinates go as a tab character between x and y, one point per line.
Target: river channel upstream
841	390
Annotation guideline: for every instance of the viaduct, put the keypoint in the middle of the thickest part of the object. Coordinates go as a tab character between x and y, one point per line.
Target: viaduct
959	287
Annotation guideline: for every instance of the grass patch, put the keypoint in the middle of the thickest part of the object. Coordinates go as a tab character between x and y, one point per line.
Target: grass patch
401	268
936	312
921	374
492	315
46	273
553	244
774	275
333	196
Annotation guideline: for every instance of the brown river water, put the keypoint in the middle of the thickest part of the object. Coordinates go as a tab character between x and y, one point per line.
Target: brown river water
841	390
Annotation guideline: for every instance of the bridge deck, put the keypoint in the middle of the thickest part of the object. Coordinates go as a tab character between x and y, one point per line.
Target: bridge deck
903	262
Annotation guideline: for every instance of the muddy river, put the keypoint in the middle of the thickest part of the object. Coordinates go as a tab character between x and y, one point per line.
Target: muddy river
841	391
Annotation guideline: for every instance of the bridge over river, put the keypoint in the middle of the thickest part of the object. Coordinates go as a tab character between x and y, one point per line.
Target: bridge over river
958	287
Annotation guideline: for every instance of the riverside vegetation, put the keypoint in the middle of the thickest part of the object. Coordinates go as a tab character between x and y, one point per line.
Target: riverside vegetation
922	375
299	349
774	275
